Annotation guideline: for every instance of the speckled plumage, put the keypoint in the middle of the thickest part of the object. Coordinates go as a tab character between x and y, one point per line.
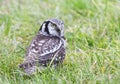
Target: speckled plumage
47	47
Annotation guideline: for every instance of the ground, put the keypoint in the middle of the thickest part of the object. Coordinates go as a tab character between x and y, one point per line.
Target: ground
92	31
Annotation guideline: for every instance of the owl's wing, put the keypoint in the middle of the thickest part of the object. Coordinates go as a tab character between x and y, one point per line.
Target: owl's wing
43	45
51	46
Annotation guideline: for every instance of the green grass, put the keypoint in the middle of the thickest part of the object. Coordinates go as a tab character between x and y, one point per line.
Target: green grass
92	30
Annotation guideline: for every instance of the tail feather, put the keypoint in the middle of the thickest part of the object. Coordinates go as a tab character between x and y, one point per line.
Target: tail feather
30	70
28	67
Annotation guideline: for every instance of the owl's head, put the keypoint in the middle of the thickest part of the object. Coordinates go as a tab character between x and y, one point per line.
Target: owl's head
53	27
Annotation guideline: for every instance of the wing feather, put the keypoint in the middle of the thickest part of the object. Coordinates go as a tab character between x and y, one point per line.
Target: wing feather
43	45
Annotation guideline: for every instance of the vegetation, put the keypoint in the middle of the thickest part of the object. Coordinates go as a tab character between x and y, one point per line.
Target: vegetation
92	30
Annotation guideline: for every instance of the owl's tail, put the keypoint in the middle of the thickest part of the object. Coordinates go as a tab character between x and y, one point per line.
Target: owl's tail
29	64
28	67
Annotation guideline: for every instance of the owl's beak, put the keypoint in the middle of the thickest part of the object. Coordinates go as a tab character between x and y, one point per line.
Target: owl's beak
60	29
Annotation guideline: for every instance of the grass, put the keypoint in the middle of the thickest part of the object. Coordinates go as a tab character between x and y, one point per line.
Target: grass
92	30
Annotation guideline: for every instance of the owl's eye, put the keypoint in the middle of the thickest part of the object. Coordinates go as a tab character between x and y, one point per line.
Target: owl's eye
58	30
53	25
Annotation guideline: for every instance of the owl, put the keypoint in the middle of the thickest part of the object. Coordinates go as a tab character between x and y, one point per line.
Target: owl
47	48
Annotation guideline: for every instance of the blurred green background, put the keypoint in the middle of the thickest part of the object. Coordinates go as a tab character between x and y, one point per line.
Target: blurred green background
92	31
